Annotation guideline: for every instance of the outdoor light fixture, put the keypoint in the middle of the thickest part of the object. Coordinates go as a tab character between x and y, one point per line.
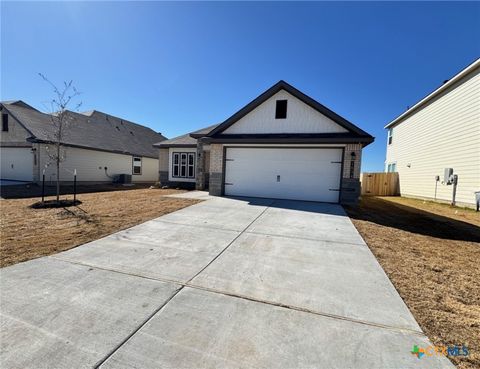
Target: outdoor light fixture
352	164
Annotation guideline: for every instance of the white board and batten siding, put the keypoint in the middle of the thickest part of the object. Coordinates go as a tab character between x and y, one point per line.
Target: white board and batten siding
301	118
311	174
90	166
443	134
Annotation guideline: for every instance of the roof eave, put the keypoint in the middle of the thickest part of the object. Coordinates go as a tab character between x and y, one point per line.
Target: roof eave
464	72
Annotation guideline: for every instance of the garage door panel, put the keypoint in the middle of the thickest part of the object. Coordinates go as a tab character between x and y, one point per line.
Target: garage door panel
305	174
16	163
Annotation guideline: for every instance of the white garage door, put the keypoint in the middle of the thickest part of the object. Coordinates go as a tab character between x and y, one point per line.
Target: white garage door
16	163
311	174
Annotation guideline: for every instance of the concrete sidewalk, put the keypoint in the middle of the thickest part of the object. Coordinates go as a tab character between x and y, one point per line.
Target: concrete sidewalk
224	283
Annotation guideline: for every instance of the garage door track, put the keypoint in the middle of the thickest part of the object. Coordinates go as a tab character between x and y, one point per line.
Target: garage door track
226	283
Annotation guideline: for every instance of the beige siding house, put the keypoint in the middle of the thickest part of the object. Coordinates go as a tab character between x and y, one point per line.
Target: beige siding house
282	145
441	131
98	146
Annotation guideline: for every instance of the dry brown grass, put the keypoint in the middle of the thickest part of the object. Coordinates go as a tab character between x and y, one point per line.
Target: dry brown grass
30	233
431	252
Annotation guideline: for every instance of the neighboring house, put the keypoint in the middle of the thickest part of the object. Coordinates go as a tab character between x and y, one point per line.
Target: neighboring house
282	145
440	131
97	145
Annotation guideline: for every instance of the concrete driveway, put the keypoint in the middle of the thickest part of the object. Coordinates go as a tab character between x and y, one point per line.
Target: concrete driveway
226	283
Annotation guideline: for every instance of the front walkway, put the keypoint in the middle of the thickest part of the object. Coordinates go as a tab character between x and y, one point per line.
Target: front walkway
224	283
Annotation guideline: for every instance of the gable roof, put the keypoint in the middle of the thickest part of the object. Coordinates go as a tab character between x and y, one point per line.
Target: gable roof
93	130
282	85
186	140
464	72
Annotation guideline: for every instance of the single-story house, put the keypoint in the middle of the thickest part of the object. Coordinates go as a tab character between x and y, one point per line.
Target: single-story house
439	134
98	146
282	145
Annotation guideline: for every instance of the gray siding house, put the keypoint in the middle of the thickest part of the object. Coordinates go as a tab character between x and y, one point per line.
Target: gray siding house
98	146
281	145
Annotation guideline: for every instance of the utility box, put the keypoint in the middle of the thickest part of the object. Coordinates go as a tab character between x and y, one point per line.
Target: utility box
447	175
124	178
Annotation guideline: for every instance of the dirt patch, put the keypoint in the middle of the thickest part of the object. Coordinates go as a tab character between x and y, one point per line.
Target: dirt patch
28	233
431	252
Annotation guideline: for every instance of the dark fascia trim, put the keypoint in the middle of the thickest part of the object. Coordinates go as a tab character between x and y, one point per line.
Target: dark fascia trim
35	140
330	138
166	146
198	135
282	85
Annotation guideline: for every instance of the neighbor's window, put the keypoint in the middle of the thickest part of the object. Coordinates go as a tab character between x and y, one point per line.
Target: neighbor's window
281	109
183	164
5	122
137	165
392	167
390	135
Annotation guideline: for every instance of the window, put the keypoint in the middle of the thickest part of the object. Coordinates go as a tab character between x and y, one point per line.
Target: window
281	109
5	122
390	135
183	164
137	165
392	167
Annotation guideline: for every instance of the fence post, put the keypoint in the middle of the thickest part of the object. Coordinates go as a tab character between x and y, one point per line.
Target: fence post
74	186
43	186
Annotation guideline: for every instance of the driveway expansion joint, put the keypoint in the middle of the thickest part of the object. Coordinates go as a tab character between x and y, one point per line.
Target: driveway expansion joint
244	297
182	286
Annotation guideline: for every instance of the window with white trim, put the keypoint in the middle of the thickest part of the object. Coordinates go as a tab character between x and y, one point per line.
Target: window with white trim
137	165
183	165
390	135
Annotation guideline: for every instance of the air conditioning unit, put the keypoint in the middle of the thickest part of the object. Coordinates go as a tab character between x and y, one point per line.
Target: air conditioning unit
124	178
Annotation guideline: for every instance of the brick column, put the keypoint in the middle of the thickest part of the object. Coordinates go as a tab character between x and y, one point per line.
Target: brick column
350	191
216	170
200	171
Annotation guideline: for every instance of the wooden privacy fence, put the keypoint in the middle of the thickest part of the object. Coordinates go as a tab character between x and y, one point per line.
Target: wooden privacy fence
380	184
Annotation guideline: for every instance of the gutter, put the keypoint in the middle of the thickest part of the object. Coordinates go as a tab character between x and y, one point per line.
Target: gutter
435	93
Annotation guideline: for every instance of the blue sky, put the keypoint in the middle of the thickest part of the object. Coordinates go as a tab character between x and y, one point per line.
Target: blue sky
177	67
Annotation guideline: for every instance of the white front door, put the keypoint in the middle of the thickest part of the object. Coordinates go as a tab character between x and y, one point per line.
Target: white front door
16	163
311	174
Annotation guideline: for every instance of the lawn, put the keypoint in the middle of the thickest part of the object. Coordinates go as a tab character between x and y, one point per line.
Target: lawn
30	233
431	252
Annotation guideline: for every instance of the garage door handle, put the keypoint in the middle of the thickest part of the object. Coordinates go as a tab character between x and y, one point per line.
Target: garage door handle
333	189
229	159
228	184
336	162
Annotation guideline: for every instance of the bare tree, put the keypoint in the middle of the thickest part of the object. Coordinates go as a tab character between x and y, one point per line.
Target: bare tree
61	119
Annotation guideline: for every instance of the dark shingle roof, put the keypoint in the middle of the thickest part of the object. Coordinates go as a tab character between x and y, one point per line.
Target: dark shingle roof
189	139
95	130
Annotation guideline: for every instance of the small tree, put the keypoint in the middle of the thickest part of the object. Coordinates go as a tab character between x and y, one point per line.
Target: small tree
61	119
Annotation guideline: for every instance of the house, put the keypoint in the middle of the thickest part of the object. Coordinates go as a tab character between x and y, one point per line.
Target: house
439	132
97	145
281	145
